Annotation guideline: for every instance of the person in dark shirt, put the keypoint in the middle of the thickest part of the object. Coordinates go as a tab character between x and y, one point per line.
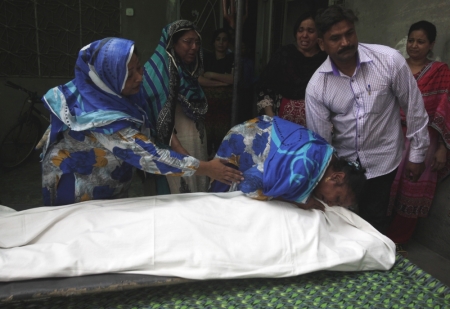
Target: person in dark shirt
282	85
219	63
216	82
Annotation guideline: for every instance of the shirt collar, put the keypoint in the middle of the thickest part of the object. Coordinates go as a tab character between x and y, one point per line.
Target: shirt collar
329	66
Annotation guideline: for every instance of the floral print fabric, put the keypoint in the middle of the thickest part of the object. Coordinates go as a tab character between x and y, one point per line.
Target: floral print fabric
90	165
277	157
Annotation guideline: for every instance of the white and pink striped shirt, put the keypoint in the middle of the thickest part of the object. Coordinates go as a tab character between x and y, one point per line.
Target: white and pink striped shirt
363	111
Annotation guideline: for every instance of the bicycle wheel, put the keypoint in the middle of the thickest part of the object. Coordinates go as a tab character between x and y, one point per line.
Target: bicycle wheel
20	142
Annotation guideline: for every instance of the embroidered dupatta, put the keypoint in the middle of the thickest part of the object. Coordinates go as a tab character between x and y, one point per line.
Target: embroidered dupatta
434	82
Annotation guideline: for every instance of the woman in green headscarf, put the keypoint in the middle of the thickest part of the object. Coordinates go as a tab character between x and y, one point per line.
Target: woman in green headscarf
176	99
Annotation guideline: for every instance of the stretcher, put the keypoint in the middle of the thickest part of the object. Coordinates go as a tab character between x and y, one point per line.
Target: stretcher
200	250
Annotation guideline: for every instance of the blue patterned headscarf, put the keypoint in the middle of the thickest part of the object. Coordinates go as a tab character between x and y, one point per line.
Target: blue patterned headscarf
167	80
298	159
93	99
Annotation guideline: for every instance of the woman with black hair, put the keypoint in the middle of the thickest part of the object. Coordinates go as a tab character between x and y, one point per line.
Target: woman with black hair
410	201
217	81
282	85
219	63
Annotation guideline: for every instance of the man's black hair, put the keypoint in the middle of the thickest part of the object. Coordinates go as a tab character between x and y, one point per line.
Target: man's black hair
327	18
355	177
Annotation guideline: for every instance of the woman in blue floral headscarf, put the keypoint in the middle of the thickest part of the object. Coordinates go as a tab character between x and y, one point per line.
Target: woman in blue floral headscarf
286	161
100	130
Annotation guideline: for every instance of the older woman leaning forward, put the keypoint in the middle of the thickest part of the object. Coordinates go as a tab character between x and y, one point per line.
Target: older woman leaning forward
100	131
177	102
286	161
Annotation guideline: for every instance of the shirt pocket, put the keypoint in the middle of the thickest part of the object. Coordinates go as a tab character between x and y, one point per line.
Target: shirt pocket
377	101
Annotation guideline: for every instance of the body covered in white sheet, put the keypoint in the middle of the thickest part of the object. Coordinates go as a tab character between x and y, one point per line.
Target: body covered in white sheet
195	236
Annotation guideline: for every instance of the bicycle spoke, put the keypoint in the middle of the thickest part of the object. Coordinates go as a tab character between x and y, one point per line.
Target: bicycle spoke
19	143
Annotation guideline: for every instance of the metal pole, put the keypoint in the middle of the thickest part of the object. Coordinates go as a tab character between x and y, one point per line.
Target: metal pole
237	61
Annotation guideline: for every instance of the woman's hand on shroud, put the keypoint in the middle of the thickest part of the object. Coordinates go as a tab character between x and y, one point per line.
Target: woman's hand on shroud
217	170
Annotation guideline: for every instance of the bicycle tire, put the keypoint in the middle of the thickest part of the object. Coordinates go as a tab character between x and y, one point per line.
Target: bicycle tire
19	142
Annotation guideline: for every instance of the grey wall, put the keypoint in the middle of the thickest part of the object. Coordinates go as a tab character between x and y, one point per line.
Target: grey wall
387	22
293	11
144	28
434	231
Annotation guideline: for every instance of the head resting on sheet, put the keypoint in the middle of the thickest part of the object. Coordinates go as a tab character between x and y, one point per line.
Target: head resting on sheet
341	184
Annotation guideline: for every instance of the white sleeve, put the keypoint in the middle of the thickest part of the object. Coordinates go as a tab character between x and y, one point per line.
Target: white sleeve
317	114
410	99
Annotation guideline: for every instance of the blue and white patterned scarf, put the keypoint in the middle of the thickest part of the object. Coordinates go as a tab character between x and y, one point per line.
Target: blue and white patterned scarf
298	159
93	99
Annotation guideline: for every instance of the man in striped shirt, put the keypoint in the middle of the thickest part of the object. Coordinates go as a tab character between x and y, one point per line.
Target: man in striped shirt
353	100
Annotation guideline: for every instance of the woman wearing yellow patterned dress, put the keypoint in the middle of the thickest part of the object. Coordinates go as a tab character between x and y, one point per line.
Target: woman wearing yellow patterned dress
100	131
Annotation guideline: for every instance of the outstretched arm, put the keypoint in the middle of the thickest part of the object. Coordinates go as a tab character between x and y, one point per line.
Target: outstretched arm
136	149
216	169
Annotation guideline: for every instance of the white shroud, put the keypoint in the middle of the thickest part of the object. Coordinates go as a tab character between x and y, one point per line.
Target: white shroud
195	236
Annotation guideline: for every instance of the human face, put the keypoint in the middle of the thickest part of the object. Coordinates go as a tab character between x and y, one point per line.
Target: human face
418	45
306	37
333	191
340	42
188	46
134	79
221	42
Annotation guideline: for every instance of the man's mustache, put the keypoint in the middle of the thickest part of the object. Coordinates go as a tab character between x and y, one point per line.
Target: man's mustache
343	50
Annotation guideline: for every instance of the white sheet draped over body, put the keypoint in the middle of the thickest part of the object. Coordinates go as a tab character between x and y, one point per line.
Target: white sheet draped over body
195	236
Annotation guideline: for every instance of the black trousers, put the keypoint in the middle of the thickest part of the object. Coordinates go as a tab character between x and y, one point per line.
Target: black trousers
375	201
